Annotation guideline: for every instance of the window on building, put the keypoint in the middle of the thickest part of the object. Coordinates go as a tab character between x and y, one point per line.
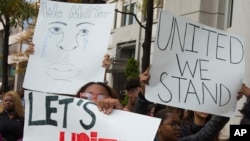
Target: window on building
126	50
128	19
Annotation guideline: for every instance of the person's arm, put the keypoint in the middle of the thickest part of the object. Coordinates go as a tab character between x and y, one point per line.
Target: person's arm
141	105
209	131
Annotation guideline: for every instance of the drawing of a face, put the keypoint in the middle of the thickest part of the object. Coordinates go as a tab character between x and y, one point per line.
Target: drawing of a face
61	41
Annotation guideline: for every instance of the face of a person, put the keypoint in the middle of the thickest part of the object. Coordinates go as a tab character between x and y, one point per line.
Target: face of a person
95	92
8	102
170	129
62	45
201	114
133	93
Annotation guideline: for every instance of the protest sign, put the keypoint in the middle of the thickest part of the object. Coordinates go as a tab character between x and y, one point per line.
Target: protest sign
70	40
195	66
50	117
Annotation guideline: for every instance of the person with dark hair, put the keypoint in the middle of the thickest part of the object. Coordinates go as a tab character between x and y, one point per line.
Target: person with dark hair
206	133
193	121
245	111
170	127
103	95
179	111
133	88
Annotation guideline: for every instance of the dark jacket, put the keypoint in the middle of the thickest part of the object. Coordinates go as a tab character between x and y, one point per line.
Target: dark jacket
141	105
208	132
11	129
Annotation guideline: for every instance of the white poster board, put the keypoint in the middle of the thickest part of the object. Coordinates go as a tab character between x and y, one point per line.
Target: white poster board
51	117
70	40
195	66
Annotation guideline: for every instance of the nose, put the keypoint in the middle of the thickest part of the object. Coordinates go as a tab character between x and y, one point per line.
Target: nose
66	46
178	127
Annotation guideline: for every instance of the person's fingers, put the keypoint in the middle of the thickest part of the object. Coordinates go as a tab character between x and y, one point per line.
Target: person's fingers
105	106
106	61
239	96
31	44
242	88
107	56
147	70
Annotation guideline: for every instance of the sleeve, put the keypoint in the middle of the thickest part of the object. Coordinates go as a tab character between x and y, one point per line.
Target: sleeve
141	105
209	131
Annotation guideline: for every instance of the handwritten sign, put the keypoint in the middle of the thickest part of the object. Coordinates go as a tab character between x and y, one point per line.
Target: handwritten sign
61	118
195	66
70	43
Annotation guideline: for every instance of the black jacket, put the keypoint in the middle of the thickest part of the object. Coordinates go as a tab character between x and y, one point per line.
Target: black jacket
208	132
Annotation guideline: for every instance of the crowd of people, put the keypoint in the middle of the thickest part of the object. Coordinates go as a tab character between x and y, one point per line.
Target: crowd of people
176	124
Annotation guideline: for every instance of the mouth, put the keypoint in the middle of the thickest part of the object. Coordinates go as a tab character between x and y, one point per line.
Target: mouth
178	134
7	106
62	71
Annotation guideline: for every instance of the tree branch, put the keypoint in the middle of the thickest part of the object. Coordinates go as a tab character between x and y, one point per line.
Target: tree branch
132	15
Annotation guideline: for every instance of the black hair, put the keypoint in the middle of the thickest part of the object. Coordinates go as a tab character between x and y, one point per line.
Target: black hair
132	83
110	90
245	111
163	114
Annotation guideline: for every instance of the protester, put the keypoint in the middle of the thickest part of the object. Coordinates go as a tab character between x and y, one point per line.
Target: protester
11	117
170	127
141	103
133	88
245	111
193	121
103	95
179	111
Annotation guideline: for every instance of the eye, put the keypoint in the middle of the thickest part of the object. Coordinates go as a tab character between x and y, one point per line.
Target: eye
86	96
55	30
83	32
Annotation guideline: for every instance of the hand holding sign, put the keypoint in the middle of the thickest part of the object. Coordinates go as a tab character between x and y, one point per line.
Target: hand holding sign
244	91
144	79
107	105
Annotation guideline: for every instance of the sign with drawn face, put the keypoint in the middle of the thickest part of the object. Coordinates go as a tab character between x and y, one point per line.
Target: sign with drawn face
195	66
70	43
50	117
